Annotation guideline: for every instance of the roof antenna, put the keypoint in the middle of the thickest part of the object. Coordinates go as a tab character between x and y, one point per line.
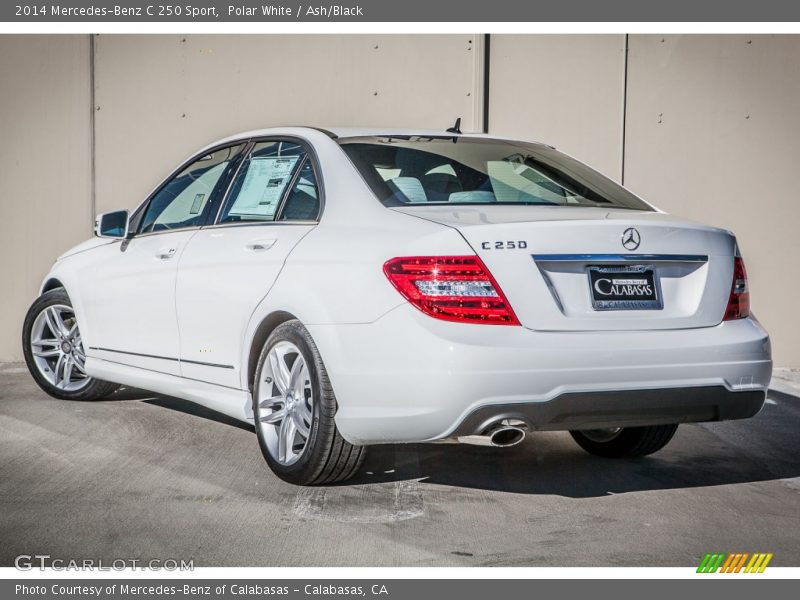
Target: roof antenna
456	128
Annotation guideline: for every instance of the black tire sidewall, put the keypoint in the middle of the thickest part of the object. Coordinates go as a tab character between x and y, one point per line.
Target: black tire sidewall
617	447
629	442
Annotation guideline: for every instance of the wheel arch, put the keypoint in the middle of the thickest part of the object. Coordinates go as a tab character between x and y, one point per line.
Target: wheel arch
51	283
262	332
66	279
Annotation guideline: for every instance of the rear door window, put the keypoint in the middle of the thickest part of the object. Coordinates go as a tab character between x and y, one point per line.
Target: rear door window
275	182
302	203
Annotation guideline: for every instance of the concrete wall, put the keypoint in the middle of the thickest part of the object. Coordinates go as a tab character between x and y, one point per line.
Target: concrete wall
566	90
45	166
702	126
160	98
713	134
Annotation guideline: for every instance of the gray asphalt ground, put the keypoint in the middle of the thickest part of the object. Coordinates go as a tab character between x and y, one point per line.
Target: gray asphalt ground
145	477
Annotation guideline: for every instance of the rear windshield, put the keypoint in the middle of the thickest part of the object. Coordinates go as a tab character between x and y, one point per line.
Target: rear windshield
456	170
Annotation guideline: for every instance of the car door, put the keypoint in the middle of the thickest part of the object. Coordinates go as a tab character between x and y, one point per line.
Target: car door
133	288
227	268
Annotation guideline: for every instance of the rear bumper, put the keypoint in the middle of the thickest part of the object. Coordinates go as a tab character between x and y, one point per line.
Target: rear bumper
627	408
410	378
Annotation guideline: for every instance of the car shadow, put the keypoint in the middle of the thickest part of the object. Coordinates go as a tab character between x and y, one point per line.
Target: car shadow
550	463
126	394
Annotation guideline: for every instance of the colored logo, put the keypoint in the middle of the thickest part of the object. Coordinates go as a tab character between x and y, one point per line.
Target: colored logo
739	562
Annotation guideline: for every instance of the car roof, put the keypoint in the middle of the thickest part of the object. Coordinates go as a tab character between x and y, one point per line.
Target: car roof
352	132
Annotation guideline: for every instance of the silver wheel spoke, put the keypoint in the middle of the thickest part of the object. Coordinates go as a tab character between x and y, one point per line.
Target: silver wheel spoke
69	365
280	373
37	348
295	377
67	378
275	417
54	321
286	439
303	410
300	424
58	371
78	350
78	364
270	402
47	353
299	389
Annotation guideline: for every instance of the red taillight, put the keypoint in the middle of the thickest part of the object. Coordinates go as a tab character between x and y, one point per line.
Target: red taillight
453	288
739	302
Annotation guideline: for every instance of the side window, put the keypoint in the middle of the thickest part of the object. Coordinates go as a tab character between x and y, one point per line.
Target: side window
302	203
265	178
181	202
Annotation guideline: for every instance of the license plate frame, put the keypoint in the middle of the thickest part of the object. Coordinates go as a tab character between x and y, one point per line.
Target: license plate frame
617	298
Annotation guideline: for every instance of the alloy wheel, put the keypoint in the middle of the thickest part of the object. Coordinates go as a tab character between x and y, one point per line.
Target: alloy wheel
285	402
57	348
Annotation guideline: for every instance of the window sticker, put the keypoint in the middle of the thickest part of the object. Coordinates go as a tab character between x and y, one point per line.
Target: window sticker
197	205
264	184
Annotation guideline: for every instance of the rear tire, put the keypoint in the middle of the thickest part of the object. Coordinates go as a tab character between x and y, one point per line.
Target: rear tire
54	353
294	408
627	442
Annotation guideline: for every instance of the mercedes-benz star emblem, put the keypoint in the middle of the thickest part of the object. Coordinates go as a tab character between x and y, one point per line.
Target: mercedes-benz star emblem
631	239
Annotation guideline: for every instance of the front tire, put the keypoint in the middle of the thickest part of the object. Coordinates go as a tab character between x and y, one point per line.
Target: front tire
53	350
294	408
625	442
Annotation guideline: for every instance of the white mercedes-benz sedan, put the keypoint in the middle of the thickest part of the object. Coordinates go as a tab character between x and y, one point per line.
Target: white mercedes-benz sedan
343	288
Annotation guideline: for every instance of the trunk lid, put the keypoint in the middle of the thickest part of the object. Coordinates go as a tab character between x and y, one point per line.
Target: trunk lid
542	257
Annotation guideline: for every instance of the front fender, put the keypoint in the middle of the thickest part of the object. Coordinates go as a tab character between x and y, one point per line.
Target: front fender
66	273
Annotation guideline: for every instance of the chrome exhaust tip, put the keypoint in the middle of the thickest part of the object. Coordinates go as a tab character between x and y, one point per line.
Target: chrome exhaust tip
507	435
499	436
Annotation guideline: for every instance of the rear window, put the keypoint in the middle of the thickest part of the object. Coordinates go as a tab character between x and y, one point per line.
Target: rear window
456	170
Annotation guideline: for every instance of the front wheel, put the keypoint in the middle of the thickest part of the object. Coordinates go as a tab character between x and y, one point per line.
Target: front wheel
294	407
53	350
624	442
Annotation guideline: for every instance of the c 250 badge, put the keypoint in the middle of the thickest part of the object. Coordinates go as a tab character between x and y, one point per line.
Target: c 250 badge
520	245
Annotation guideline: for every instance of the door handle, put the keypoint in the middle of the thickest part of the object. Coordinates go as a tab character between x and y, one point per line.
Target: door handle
259	245
165	253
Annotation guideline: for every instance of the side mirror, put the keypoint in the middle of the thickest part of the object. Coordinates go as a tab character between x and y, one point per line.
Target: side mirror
112	224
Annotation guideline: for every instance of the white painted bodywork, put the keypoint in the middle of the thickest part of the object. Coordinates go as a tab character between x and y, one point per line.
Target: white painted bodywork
398	374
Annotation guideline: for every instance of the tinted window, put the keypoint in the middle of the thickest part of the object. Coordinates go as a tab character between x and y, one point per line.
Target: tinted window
302	203
275	182
181	202
425	170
